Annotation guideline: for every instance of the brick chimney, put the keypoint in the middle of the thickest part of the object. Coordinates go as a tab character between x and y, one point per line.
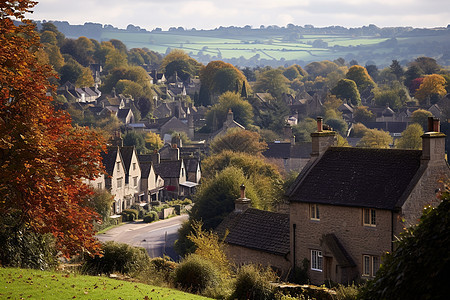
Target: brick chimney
433	142
322	139
174	153
287	131
241	204
156	158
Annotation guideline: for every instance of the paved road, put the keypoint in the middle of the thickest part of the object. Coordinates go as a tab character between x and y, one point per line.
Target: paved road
157	238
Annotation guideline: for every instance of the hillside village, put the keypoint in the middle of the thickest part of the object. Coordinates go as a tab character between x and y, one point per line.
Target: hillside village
315	169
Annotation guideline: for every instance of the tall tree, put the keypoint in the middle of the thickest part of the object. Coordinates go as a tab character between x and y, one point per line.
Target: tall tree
360	76
396	69
43	159
374	138
346	89
420	116
272	81
432	88
411	137
239	141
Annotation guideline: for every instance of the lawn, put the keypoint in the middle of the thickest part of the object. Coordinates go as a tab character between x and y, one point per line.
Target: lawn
34	284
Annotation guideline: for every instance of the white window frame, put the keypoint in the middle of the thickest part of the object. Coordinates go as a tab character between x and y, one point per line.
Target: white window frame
314	213
316	260
369	217
370	265
99	186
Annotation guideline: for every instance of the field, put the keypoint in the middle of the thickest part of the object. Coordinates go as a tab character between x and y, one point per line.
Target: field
34	284
201	43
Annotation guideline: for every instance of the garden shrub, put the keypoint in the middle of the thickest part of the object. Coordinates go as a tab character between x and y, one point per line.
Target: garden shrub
151	216
195	274
117	257
254	283
129	215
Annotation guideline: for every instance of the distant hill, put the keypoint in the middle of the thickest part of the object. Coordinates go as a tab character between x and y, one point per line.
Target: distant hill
275	46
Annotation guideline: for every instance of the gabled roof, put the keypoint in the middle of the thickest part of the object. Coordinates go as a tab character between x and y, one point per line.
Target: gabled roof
123	113
146	168
257	229
109	159
360	177
285	150
127	156
169	169
334	245
191	164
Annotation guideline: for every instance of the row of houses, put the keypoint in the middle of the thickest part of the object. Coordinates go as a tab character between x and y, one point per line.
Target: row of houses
345	209
140	179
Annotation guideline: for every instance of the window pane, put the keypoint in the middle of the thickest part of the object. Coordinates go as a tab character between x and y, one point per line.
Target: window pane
375	265
366	216
317	211
366	265
373	217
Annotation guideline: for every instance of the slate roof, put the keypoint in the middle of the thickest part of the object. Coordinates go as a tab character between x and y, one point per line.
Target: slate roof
257	229
168	169
123	113
127	155
191	164
392	127
109	159
145	169
359	177
285	150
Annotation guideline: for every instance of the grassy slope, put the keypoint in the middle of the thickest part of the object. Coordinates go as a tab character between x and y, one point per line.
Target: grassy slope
34	284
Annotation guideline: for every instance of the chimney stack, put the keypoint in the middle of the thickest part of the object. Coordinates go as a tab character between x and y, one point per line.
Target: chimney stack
242	204
322	139
433	143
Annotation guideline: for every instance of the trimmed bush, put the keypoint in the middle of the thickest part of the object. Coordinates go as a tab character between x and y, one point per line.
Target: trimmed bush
195	274
151	216
129	215
253	283
117	257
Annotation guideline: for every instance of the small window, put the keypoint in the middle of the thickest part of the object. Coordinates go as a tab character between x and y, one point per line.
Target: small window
135	181
314	212
316	260
118	167
119	183
134	166
371	264
99	185
369	217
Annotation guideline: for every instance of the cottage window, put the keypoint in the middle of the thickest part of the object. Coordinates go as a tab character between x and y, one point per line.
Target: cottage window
99	185
135	181
118	167
369	217
134	166
314	212
316	260
119	183
371	264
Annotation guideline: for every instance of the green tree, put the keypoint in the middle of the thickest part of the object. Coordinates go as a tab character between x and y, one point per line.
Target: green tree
362	114
303	130
153	141
339	125
322	68
411	137
48	26
427	65
272	81
129	88
388	97
360	76
225	80
346	89
375	138
183	68
242	110
239	141
420	116
421	249
115	59
101	201
135	139
396	69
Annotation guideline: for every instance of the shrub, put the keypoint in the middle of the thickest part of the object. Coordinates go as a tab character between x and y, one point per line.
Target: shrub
253	283
347	292
299	275
117	257
129	214
151	216
195	274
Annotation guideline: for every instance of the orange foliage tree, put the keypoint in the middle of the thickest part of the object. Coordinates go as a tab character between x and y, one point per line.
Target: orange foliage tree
43	159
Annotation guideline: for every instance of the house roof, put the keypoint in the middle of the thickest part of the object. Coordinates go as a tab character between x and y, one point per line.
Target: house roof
191	164
257	229
109	159
285	150
146	167
392	127
360	177
127	155
168	169
123	113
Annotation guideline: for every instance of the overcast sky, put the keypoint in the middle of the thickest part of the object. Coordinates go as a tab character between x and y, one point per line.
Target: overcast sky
209	14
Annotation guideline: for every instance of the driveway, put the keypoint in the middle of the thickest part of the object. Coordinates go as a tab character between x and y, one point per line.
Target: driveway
157	238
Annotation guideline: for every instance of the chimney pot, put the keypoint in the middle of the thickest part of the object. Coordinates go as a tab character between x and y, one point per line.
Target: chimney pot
436	124
242	191
430	123
319	124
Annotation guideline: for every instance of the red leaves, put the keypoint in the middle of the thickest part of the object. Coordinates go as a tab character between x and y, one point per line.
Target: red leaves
43	159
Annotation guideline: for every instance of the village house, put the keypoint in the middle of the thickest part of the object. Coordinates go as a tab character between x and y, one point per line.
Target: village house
152	185
115	177
348	204
132	175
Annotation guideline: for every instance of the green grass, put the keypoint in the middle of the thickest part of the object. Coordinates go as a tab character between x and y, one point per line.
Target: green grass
33	284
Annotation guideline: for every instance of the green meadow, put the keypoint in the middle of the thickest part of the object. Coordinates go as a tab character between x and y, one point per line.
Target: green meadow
34	284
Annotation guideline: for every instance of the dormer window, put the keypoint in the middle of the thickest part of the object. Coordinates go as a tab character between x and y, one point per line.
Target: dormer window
369	217
134	166
314	212
118	167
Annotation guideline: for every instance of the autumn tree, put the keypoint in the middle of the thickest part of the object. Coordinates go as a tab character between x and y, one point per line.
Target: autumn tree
362	114
43	159
239	141
432	88
320	68
411	137
272	81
